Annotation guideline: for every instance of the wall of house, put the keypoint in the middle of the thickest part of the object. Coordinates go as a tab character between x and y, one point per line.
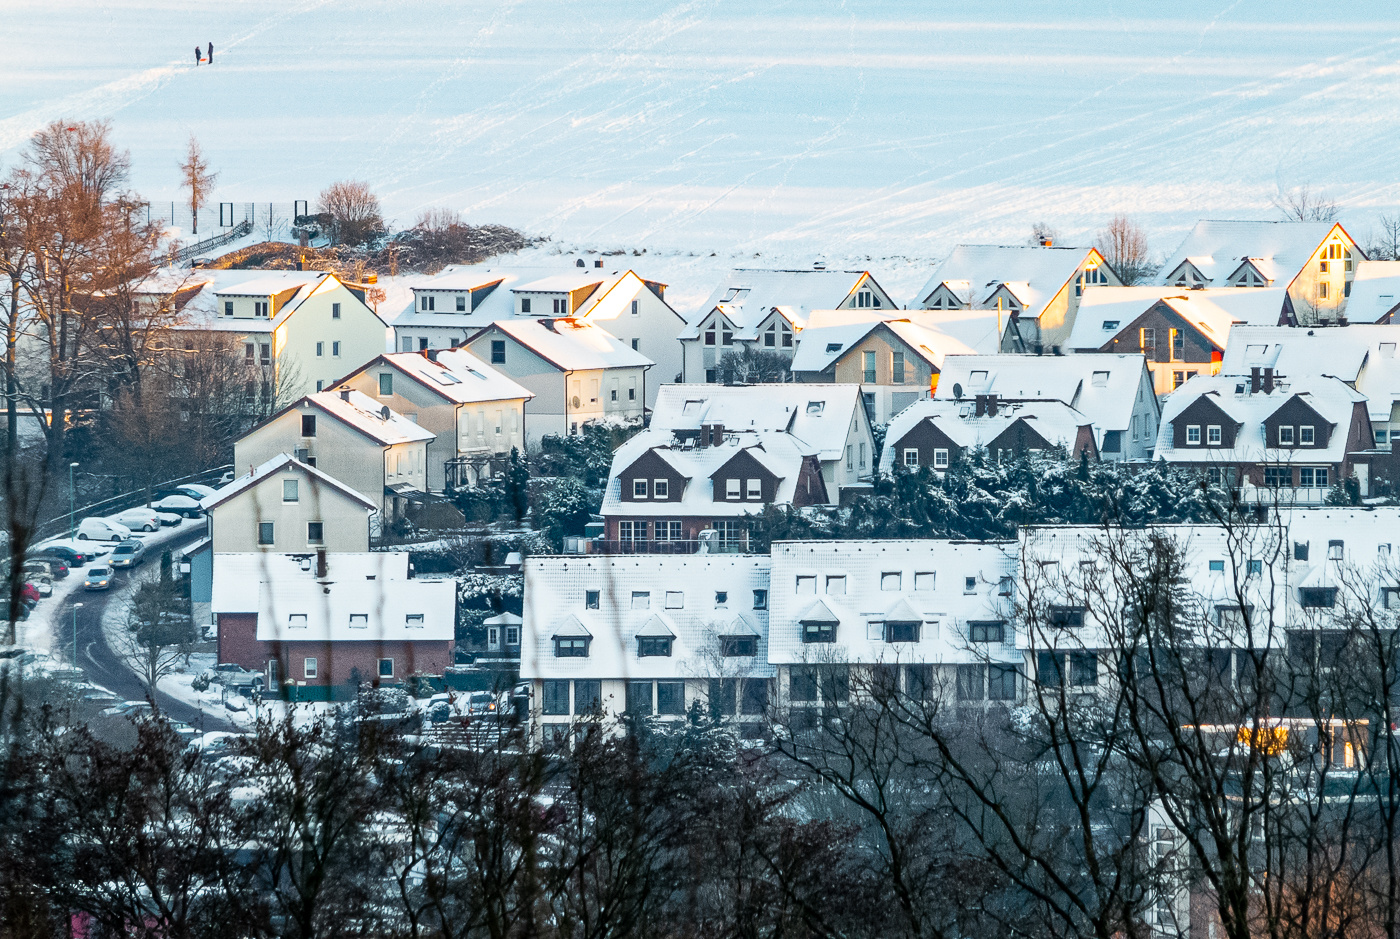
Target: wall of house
654	328
1305	292
846	472
744	467
547	412
437	337
924	438
1162	319
889	398
418	404
345	522
361	335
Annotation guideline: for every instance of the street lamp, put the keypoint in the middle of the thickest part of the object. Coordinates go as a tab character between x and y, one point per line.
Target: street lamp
71	500
76	608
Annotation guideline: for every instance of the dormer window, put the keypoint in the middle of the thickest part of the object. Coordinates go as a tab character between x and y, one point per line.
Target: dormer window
1110	325
1213	435
570	647
1305	435
359	620
753	490
660	488
639	488
1193	435
1285	436
833	347
648	646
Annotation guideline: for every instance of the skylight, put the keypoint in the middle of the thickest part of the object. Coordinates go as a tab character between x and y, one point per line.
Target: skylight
446	378
1110	324
816	407
833	347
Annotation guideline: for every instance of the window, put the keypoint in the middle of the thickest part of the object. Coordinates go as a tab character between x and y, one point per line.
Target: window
335	311
571	647
228	308
248	352
971	680
428	303
731	489
1253	568
669	530
994	631
911	456
753	489
386	384
675	600
1322	286
897	367
721	599
1083	668
1067	617
639	488
1178	378
639	698
710	336
407	343
890	580
320	349
723	695
265	353
1278	476
836	584
1217	567
862	455
1305	435
359	620
1193	435
802	684
670	698
902	632
648	646
1317	597
296	620
924	581
818	632
969	585
289	490
1381	438
259	307
850	457
1334	550
498	351
1285	436
726	338
754	698
335	350
413	620
735	646
265	533
641	599
806	584
308	668
940	459
613	394
632	531
1213	435
590	599
1001	683
308	425
386	668
869	368
1178	345
554	698
1310	477
560	306
524	304
588	696
1147	339
1112	441
760	599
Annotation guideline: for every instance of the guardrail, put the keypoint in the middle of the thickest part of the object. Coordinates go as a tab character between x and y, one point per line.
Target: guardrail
187	252
59	524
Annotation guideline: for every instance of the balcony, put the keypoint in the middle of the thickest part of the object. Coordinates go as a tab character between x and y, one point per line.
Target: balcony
677	546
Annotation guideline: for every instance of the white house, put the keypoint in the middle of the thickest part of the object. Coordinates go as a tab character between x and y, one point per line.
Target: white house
1114	392
1375	292
578	372
765	310
645	635
476	413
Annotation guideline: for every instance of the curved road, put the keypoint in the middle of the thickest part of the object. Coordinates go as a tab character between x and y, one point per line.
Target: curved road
102	665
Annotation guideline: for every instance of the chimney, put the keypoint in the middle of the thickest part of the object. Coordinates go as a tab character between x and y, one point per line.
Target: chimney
991	405
430	354
320	562
345	394
1047	242
979	405
598	263
1268	381
1254	380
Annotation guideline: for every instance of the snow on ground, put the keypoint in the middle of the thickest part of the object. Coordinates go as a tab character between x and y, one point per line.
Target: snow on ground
785	130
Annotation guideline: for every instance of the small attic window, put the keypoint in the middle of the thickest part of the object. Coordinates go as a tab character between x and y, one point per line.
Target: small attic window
1239	389
1099	380
296	620
978	376
833	347
359	620
816	407
692	406
1110	324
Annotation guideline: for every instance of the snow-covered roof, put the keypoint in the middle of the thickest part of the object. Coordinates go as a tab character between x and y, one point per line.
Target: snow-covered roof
266	283
363	597
780	453
1330	397
1375	292
456	376
864	584
1104	386
1362	355
1105	312
572	344
681	597
1217	249
818	415
1033	273
830	334
748	297
275	465
204	310
376	421
1052	419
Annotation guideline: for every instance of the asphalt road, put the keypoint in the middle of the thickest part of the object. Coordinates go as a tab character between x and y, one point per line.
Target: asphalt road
101	664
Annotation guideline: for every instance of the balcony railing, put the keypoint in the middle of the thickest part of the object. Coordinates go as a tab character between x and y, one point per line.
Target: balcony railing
678	546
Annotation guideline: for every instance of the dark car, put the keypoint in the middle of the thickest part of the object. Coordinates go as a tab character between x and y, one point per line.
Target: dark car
54	567
69	556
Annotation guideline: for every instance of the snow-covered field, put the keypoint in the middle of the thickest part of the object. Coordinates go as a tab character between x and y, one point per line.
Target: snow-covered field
772	133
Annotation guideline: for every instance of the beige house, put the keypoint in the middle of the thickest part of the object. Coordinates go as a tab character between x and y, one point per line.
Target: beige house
1035	289
1315	261
350	436
578	372
288	506
477	413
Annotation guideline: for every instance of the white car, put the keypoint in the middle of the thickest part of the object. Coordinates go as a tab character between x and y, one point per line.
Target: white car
196	491
179	505
102	529
169	518
138	519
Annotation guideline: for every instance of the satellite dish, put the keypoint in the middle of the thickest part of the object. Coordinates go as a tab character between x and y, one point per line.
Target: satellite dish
957	391
574	401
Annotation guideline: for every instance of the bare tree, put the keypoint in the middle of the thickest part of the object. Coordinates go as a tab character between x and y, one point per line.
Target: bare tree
438	219
196	177
158	633
272	223
1301	204
1124	245
1385	245
356	218
1043	235
751	365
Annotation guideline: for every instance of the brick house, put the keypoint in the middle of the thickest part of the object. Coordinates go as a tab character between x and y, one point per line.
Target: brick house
938	432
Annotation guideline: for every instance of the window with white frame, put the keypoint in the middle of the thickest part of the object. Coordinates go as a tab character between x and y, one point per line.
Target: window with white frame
940	458
1305	435
924	581
641	599
660	488
1193	434
308	668
836	584
753	489
911	456
1285	436
639	488
731	489
1213	436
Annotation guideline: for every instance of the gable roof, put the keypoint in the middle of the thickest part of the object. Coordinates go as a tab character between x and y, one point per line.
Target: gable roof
831	334
1328	396
1212	310
1054	420
817	415
1035	274
570	344
274	465
1362	355
1278	250
203	310
1104	386
1375	291
366	415
748	297
457	376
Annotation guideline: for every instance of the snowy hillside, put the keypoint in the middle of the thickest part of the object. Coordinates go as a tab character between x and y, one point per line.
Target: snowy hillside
772	133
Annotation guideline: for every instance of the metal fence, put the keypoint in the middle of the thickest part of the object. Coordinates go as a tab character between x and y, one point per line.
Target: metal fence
273	219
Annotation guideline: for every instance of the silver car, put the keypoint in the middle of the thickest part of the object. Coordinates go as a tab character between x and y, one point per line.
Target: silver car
128	554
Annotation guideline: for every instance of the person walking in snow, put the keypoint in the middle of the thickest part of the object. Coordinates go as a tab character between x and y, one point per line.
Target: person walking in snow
197	58
211	53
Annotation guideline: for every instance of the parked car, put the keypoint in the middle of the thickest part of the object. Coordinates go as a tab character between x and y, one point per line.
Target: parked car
42	584
236	676
138	519
179	505
170	518
98	577
482	704
127	709
128	554
217	744
72	553
196	490
102	529
53	567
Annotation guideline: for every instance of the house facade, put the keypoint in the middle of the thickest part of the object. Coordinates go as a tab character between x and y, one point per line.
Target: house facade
476	413
285	505
938	433
577	372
